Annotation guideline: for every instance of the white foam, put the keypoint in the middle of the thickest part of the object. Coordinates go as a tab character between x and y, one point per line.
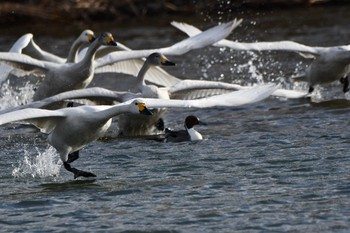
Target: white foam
13	96
44	164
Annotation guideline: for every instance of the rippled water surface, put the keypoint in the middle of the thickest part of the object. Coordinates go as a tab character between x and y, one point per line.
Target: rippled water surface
275	166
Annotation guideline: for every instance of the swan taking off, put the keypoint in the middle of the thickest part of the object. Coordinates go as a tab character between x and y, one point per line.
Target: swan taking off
70	129
330	63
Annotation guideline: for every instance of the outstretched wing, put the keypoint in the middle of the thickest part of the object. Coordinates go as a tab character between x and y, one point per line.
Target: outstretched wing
21	43
45	120
26	45
201	40
26	62
232	99
202	88
97	94
190	30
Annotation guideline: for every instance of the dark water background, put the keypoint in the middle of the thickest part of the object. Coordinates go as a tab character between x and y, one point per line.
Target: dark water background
275	166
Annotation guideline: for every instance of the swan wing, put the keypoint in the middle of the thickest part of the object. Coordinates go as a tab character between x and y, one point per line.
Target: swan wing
95	94
232	99
201	40
43	119
189	84
26	62
191	89
276	45
194	89
21	43
155	74
33	50
190	30
26	45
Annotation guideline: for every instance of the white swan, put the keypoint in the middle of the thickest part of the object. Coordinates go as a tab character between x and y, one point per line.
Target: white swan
70	129
330	63
61	77
26	45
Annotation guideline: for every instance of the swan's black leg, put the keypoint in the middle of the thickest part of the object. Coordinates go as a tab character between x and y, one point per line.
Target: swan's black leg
73	156
70	104
311	89
345	82
77	172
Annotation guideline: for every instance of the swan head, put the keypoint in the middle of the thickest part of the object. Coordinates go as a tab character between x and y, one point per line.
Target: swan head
106	38
87	36
158	59
139	107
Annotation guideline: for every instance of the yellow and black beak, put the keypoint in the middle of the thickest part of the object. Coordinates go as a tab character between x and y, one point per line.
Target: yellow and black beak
110	41
91	38
143	109
165	62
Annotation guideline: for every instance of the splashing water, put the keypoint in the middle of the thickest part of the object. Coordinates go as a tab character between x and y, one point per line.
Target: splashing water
13	96
45	164
251	67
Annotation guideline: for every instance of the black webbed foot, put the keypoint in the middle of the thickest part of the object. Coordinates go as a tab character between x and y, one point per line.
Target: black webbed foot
77	172
345	82
73	156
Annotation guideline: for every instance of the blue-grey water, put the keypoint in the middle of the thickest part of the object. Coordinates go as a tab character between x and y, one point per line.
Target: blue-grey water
275	166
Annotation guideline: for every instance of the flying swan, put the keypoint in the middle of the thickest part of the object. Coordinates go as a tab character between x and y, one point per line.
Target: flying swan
329	64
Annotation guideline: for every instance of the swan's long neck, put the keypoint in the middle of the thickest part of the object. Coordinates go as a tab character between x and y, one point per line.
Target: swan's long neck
90	53
72	54
114	111
141	76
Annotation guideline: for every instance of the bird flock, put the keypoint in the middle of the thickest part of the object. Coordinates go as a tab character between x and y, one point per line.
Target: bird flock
73	115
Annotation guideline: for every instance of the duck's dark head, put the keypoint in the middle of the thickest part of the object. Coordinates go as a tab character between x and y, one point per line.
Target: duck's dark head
191	121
